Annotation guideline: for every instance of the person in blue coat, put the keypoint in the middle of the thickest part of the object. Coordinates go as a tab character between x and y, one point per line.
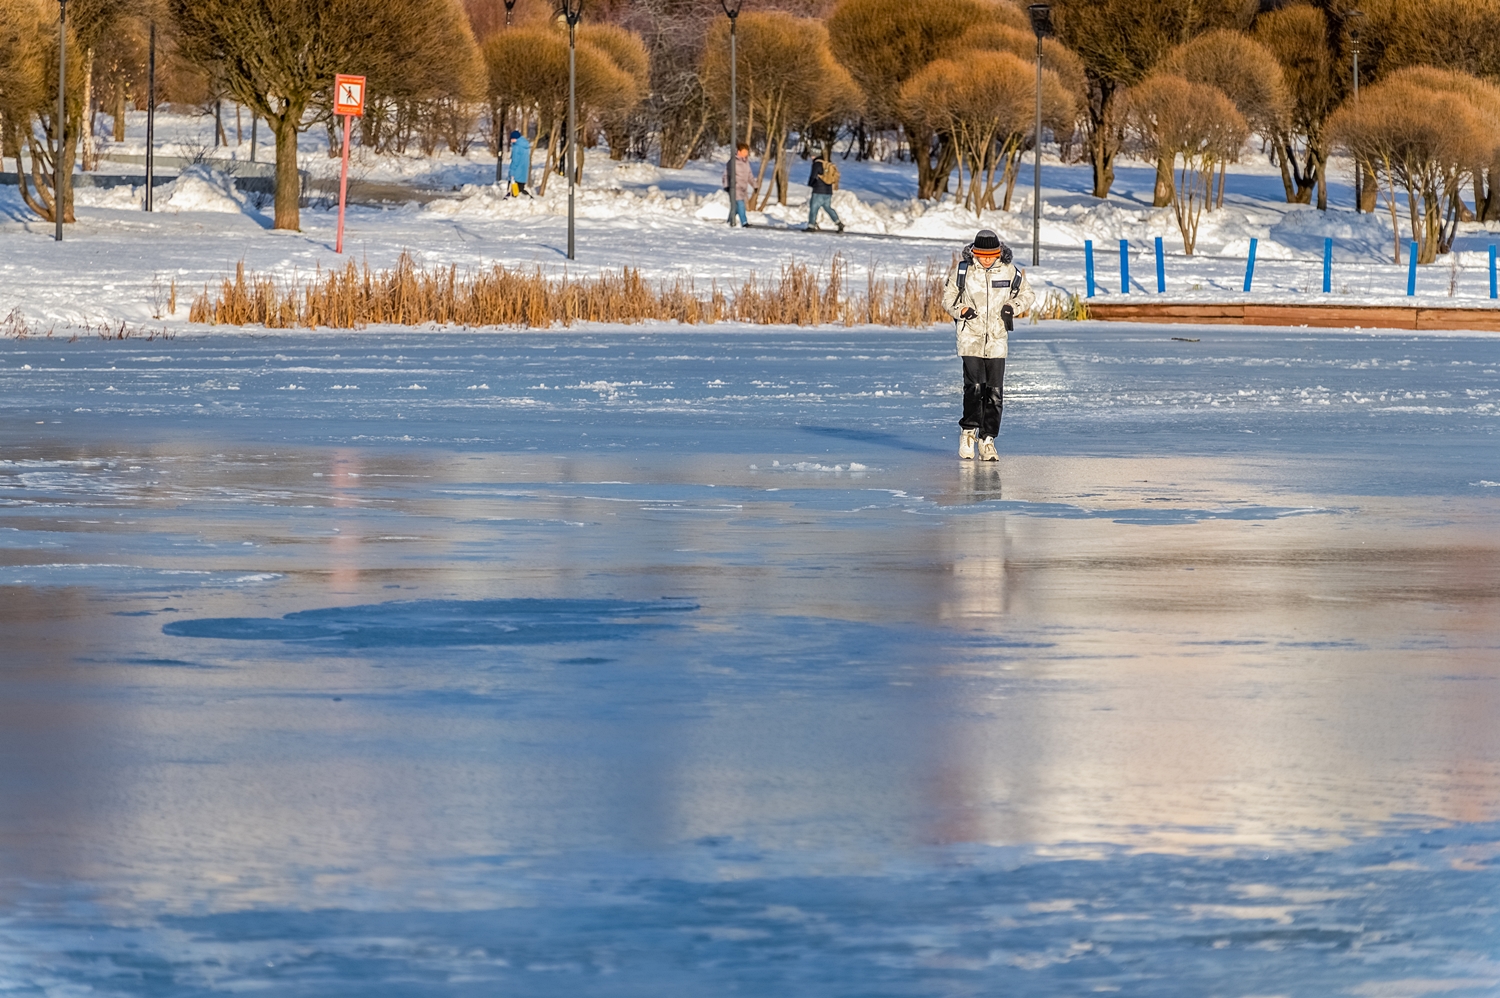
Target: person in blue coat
520	164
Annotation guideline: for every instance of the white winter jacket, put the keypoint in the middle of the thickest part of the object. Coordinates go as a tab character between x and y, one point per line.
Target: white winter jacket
986	292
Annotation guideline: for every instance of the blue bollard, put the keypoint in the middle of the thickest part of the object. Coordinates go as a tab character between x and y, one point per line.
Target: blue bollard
1327	266
1411	271
1161	270
1494	285
1124	267
1250	265
1088	264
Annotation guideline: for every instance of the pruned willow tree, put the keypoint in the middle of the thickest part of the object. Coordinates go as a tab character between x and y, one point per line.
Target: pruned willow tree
986	101
279	58
424	84
788	81
1243	70
1192	127
528	77
885	43
29	122
1427	132
1120	43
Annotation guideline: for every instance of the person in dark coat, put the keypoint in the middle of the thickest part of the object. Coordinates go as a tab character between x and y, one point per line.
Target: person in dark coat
822	196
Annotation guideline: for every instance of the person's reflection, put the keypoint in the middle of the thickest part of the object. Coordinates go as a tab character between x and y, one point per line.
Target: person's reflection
978	482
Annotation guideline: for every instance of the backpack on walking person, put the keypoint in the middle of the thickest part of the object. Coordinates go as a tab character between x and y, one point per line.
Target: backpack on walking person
830	172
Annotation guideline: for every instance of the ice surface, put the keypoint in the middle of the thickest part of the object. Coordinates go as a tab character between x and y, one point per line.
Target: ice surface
693	662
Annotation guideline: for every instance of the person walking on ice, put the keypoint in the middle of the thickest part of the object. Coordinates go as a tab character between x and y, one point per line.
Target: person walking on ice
984	293
823	179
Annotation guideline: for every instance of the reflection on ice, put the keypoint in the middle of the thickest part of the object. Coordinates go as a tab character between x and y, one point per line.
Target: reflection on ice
439	623
646	692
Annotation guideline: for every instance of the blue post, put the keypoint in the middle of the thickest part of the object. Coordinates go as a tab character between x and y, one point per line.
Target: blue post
1161	270
1088	264
1494	286
1411	271
1327	266
1124	267
1250	265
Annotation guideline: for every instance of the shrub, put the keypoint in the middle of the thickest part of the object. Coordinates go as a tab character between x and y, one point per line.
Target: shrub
1174	120
787	78
1243	70
1427	131
986	101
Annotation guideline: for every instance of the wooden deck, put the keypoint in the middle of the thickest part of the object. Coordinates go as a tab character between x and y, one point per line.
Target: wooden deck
1325	316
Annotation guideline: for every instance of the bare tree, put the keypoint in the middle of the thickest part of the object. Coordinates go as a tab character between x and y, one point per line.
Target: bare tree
28	89
1187	123
986	101
278	57
1120	42
1243	70
787	79
884	43
528	70
1426	131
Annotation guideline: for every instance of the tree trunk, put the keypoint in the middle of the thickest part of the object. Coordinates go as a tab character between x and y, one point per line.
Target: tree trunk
1369	189
1100	138
288	180
1166	189
552	137
119	130
1491	212
90	148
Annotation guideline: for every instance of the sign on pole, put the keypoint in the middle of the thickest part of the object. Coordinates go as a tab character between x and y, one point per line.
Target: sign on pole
349	95
349	103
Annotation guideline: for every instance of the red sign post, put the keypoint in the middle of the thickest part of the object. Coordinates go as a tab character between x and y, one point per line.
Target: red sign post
348	102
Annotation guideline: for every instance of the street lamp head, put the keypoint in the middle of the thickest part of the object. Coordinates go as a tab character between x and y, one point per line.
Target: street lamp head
732	7
1354	17
1041	19
570	10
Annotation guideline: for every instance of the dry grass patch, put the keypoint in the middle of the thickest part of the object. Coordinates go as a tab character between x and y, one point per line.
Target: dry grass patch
411	295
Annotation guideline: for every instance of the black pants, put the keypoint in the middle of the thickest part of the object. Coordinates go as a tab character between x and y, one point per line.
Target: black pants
984	394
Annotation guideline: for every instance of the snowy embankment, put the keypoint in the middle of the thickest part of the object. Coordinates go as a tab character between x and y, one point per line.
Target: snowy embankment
119	264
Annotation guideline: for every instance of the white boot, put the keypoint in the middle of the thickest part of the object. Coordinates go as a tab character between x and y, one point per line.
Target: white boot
987	450
966	445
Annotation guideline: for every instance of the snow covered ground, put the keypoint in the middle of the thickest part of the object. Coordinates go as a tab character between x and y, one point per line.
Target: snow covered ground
117	260
691	662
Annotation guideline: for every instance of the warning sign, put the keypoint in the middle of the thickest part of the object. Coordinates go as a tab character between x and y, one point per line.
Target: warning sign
349	95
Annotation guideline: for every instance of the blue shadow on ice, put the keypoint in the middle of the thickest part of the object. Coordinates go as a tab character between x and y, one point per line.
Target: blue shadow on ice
443	623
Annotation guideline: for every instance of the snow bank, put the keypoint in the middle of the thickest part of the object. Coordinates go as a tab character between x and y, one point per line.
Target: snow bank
200	188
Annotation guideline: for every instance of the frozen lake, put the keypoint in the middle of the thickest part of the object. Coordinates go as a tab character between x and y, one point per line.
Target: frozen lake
694	663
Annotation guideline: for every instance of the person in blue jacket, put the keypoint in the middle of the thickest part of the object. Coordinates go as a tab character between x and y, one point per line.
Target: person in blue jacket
520	164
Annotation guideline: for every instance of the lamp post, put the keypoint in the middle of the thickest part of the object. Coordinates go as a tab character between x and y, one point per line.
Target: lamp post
151	117
1354	17
1041	24
62	117
572	11
732	9
502	142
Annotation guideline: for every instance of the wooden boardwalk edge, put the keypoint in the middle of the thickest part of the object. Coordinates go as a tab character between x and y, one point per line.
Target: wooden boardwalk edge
1322	316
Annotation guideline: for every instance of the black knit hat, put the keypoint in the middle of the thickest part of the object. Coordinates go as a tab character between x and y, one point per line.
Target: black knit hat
986	240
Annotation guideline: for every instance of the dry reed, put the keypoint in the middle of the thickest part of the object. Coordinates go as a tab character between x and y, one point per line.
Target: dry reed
410	295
